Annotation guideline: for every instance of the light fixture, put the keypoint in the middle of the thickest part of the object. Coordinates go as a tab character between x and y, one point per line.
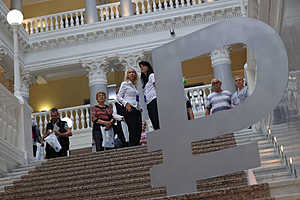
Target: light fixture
14	17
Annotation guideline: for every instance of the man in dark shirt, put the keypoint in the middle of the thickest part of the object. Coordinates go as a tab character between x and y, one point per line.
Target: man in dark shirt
62	131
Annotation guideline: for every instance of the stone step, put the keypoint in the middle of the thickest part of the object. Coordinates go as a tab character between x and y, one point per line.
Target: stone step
294	196
80	191
254	192
105	183
100	162
60	175
273	177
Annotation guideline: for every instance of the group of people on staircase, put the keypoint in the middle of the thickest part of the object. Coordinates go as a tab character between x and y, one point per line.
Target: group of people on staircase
124	117
120	124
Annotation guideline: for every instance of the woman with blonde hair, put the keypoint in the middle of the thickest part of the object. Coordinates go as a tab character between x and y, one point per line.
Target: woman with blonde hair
128	96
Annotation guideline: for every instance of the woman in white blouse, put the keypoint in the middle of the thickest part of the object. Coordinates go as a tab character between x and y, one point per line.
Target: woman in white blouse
148	80
128	96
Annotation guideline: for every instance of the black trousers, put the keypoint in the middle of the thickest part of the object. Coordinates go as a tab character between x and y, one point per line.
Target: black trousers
134	123
153	113
97	136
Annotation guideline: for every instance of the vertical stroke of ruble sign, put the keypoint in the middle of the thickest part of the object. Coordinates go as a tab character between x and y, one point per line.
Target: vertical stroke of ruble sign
180	169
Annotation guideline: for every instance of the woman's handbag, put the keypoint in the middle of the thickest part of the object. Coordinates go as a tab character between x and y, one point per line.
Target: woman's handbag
53	142
108	137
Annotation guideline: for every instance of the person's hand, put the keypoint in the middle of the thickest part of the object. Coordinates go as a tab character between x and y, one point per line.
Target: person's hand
128	107
57	133
123	118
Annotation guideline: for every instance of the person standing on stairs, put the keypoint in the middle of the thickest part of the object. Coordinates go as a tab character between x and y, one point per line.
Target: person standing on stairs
128	96
62	131
241	92
219	99
102	118
148	81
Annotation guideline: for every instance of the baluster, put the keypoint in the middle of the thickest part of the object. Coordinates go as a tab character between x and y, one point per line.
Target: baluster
101	15
31	27
61	21
72	118
76	19
106	14
81	18
42	25
51	23
82	118
46	24
45	122
26	27
154	5
177	3
194	2
71	20
148	7
77	119
137	7
143	7
159	5
166	4
56	23
36	26
117	11
188	2
41	125
87	116
67	20
171	4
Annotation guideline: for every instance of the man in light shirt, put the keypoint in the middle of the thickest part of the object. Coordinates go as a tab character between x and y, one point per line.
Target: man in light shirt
219	99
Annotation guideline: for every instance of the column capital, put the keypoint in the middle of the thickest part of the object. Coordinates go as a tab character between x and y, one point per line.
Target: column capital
97	71
26	80
220	56
132	60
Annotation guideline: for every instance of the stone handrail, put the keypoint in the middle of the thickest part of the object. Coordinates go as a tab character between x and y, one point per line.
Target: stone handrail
107	12
15	131
80	115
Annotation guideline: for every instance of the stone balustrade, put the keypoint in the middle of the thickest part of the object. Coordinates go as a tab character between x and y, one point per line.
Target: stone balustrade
80	115
106	12
15	129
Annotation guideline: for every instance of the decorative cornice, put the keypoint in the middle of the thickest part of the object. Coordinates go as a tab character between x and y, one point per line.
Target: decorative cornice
220	56
132	60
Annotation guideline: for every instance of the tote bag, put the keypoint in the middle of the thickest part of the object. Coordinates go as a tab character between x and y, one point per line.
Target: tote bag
53	142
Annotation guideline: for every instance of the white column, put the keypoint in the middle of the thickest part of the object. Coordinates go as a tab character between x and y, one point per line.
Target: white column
16	4
17	78
91	11
221	64
97	72
126	8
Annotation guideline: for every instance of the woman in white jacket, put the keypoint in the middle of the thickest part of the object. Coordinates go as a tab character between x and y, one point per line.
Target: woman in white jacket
128	96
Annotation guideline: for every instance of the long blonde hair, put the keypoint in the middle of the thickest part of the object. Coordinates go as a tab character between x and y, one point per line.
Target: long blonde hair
136	75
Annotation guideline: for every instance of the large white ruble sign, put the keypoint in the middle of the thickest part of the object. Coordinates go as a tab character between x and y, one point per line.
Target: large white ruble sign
180	169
